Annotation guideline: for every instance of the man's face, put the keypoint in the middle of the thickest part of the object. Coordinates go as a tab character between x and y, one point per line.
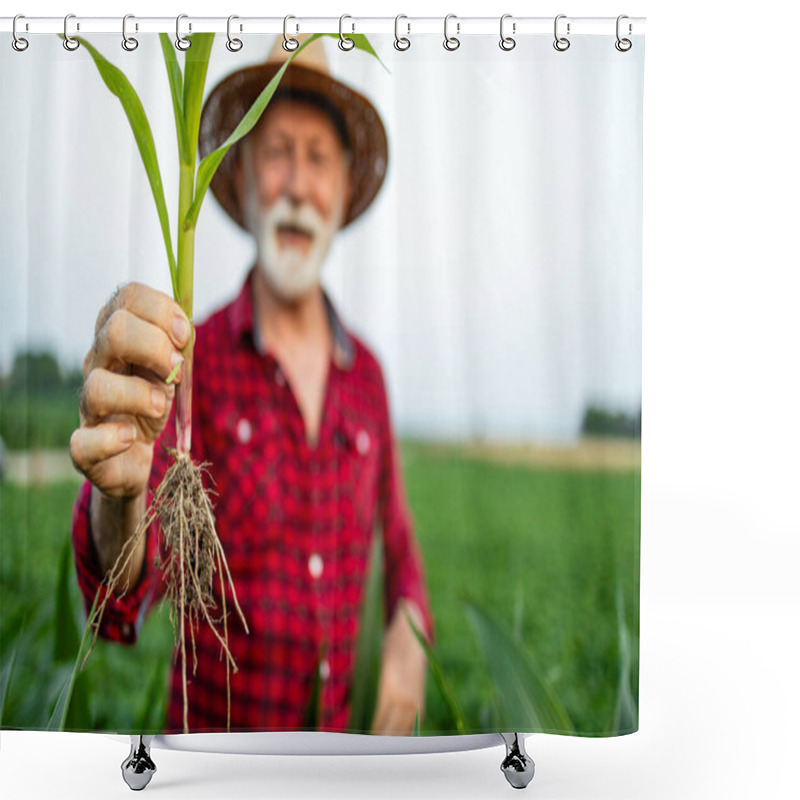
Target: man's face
295	182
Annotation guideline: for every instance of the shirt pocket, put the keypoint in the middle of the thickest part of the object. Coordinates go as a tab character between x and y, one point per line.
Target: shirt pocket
357	454
246	449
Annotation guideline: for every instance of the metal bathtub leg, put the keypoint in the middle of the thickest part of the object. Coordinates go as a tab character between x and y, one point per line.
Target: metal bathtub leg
138	768
517	766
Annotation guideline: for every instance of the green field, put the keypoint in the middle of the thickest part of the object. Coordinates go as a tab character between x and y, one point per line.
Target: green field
550	554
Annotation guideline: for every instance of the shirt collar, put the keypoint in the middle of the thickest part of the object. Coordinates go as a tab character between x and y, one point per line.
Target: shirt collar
240	317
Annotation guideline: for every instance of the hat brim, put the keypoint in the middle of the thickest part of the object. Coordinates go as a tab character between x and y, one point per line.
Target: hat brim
230	100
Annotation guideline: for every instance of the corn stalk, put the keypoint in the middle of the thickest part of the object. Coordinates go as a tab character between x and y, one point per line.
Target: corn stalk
181	502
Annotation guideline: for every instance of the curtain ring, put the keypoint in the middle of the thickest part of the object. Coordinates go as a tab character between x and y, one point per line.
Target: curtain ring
345	42
234	45
289	42
70	42
451	42
129	43
561	43
401	42
181	42
623	45
18	43
506	42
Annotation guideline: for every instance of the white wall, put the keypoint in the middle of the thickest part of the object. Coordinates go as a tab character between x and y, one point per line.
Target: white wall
497	274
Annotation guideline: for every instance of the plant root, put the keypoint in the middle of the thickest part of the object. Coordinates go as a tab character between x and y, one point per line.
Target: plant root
194	555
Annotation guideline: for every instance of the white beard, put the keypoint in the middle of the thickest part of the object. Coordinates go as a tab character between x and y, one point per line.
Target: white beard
290	272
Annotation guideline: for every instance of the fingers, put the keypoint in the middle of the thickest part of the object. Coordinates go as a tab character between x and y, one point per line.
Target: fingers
105	393
395	715
90	446
379	720
152	306
127	339
395	720
138	325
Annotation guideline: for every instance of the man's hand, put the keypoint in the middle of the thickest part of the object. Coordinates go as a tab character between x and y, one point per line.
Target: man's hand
125	400
401	690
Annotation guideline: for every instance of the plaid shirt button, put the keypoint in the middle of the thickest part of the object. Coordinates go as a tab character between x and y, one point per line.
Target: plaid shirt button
244	430
362	442
324	669
315	565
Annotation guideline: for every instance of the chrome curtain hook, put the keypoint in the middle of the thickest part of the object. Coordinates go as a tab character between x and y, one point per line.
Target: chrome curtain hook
18	42
234	45
507	42
181	42
70	43
401	42
345	43
451	42
129	43
561	43
289	42
623	45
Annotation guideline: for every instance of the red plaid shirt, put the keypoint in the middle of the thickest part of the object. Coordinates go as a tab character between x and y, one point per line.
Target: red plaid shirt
295	524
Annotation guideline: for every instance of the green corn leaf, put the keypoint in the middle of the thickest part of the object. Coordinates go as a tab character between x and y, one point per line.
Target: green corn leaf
78	716
66	638
175	77
5	680
61	713
151	712
368	647
456	717
626	715
120	86
171	376
518	607
313	711
526	701
195	68
362	43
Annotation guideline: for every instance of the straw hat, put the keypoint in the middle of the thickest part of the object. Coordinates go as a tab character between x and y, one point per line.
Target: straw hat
308	74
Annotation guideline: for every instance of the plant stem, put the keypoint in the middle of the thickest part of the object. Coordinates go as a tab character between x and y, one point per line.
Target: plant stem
183	410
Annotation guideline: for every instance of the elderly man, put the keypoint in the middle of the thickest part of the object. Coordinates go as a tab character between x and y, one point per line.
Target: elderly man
291	412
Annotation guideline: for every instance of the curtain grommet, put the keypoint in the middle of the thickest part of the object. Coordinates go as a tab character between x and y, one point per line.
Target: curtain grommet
622	44
345	42
19	43
233	44
561	43
289	43
507	43
128	43
451	43
181	41
401	43
70	42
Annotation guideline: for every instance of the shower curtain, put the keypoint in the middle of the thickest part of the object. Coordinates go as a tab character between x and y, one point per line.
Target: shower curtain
415	385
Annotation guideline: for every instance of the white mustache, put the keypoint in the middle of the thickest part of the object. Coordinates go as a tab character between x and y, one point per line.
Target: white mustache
305	218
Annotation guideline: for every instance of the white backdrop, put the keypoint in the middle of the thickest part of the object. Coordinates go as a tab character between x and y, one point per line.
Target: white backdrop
720	606
497	274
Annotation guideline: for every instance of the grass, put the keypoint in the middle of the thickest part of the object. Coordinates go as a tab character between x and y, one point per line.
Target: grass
553	543
33	419
547	553
34	529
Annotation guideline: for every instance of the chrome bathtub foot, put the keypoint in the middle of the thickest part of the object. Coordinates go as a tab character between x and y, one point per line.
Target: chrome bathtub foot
517	766
138	768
